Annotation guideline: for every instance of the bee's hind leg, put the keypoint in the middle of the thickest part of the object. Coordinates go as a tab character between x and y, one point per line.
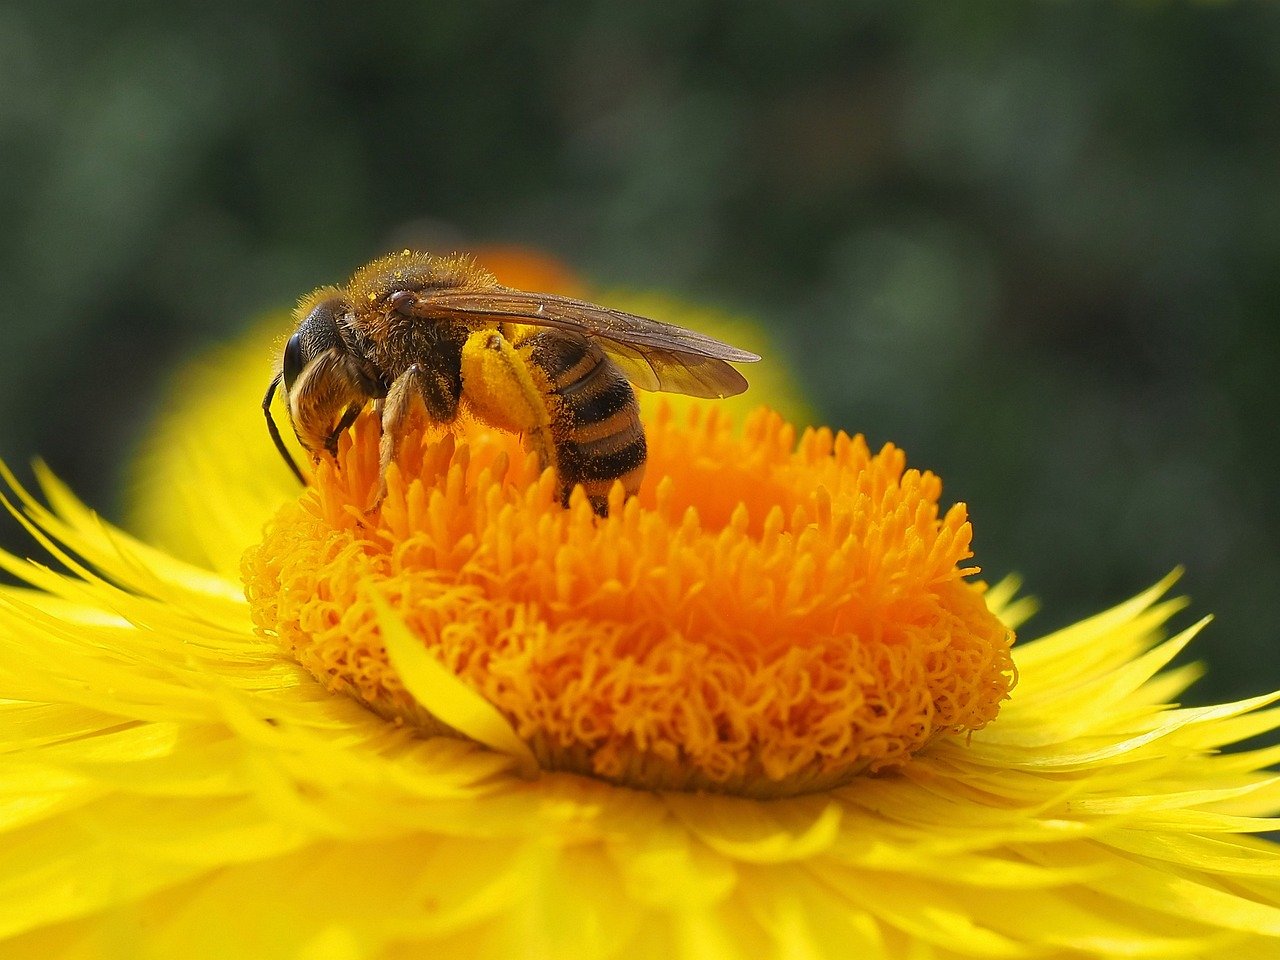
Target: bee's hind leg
501	390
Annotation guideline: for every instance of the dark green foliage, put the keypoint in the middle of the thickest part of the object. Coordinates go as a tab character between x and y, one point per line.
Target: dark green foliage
1036	245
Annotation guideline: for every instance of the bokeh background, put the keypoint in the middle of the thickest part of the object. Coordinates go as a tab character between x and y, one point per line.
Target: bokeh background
1036	245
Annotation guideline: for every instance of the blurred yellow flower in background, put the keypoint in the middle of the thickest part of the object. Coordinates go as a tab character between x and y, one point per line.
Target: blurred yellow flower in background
786	621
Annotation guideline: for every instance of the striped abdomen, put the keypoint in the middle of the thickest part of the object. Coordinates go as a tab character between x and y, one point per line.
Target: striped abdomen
595	420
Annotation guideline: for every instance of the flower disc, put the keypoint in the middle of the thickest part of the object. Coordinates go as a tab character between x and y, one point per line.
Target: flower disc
767	617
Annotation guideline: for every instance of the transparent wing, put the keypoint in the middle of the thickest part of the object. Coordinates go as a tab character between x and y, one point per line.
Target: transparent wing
653	355
671	372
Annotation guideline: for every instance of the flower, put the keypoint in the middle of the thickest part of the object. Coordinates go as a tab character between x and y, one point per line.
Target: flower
761	620
186	774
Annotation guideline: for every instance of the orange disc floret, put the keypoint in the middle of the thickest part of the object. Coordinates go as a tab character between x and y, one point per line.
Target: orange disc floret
766	617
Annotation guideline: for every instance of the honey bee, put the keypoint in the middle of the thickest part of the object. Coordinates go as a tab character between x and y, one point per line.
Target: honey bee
414	332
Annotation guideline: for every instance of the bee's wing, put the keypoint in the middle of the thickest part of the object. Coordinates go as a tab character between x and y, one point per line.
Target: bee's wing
653	355
674	372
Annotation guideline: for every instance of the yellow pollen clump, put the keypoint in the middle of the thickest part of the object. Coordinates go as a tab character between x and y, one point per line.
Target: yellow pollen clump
766	617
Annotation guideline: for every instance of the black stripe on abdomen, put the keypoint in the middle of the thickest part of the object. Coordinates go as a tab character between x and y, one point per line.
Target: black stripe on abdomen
597	396
556	355
602	459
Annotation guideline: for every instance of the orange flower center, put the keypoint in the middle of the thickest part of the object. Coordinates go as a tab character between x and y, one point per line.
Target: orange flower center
767	617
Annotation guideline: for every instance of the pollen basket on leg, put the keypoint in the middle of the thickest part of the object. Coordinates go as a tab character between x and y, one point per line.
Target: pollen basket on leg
767	616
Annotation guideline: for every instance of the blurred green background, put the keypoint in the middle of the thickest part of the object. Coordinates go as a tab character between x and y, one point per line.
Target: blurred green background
1036	245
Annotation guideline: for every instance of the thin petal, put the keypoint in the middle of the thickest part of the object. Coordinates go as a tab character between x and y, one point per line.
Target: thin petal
445	695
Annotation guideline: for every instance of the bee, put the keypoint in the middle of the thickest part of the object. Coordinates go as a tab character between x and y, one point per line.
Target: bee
412	332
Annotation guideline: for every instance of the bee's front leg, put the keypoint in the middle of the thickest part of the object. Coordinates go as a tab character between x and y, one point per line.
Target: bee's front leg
417	391
343	425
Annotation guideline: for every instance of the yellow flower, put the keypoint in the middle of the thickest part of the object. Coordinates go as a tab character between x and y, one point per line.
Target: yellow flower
759	620
788	623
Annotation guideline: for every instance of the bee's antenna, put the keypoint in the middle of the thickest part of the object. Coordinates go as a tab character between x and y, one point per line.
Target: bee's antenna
275	431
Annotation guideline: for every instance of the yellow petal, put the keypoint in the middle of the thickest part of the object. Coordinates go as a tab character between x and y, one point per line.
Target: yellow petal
446	696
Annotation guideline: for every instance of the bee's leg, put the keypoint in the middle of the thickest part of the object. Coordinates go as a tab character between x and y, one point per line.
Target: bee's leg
414	393
348	418
504	391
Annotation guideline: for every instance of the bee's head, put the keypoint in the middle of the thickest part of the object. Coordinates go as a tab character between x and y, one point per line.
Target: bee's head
323	375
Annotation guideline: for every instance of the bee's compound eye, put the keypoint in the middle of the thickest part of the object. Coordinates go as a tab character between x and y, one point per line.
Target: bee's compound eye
292	361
